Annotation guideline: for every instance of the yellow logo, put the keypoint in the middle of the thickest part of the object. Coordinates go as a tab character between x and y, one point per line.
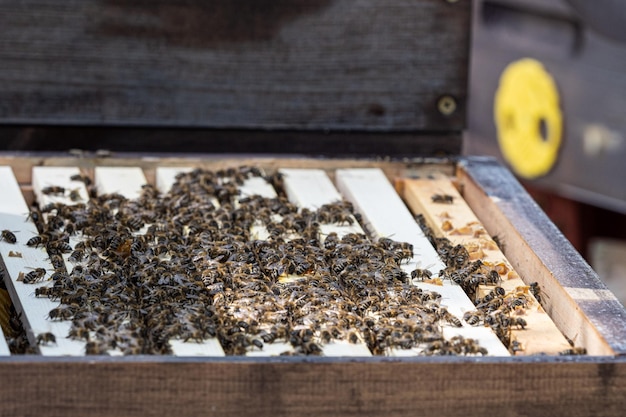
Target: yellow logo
528	118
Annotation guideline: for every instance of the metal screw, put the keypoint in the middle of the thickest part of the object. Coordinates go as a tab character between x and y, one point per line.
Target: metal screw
446	105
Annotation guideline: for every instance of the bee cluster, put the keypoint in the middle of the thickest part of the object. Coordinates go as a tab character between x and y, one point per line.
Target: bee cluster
187	265
498	309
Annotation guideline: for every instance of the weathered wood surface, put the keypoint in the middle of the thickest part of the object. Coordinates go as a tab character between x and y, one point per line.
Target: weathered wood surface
315	64
576	300
436	386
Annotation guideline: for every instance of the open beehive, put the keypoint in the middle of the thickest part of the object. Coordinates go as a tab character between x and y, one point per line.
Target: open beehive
302	329
398	303
207	255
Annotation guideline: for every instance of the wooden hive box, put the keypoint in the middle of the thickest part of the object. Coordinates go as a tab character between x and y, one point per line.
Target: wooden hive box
379	88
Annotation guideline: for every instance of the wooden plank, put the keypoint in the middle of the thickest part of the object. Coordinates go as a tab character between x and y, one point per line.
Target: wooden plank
128	182
34	310
251	186
166	176
43	177
305	386
311	188
457	222
259	186
60	177
577	301
387	216
314	64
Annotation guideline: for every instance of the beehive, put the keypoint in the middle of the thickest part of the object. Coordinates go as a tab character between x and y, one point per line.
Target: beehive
311	183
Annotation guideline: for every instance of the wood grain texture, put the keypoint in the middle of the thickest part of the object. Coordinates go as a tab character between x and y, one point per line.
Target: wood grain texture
314	64
577	301
442	387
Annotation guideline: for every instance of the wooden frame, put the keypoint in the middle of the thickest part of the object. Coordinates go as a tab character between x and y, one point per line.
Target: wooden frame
277	387
300	65
537	385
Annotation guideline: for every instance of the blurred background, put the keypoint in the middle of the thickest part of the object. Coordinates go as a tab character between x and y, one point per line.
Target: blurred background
581	46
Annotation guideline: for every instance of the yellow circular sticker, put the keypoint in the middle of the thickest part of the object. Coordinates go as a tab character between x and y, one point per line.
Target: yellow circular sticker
528	118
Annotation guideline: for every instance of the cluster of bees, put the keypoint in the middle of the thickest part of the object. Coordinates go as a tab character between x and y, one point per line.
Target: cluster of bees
498	309
188	265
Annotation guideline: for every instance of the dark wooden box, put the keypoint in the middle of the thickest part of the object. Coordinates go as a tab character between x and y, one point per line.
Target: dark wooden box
293	80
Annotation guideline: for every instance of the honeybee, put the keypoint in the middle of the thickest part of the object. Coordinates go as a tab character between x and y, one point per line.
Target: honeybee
46	338
82	178
310	348
8	236
574	351
76	256
498	241
353	337
326	336
535	289
53	190
75	195
515	347
496	292
34	276
421	274
442	198
442	313
62	313
51	207
519	322
45	292
473	318
331	241
96	348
